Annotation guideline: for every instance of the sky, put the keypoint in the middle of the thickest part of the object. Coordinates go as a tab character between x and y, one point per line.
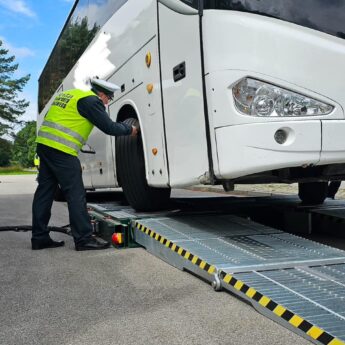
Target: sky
29	30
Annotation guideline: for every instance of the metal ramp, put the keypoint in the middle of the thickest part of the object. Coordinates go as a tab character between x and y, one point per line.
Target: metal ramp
295	282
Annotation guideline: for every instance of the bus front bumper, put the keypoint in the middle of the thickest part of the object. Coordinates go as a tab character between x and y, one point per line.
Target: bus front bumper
252	148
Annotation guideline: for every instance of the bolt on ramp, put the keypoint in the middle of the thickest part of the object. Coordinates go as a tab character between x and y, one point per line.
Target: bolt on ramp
293	281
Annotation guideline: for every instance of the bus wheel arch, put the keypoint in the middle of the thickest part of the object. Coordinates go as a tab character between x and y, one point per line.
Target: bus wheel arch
131	169
127	111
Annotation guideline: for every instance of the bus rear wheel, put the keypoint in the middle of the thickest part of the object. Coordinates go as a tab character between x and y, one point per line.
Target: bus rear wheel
312	193
130	167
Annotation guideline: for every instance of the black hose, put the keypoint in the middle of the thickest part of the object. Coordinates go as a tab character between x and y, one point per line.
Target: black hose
24	228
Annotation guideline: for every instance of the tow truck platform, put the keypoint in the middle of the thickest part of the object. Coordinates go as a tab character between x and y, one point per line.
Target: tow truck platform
236	244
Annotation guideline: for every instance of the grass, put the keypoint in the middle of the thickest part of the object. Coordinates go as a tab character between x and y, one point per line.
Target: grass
16	170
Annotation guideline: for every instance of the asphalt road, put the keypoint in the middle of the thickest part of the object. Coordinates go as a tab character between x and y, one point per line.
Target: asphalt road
63	297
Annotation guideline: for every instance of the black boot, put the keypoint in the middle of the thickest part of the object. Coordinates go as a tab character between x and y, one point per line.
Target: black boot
92	244
45	243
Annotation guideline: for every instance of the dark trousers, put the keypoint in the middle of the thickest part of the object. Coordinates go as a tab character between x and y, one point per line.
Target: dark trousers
59	168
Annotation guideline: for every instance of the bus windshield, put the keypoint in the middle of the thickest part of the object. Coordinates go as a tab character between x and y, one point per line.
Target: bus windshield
327	16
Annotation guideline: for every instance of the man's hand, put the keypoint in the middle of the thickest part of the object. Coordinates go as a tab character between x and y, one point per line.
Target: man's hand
135	131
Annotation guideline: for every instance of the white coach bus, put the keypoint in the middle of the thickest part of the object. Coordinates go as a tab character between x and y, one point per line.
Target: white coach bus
225	91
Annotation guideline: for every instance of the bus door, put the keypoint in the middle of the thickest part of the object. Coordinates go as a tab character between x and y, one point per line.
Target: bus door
101	165
85	162
182	88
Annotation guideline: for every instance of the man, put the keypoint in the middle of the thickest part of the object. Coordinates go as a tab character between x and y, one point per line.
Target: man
37	162
65	129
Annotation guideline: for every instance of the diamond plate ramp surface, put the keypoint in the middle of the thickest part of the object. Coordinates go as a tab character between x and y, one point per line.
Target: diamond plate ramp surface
294	281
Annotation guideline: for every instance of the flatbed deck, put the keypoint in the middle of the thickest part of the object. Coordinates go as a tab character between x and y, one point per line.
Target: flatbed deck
236	245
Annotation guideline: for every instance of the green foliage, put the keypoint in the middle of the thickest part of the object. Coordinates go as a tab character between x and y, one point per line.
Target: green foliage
5	152
16	170
24	147
75	39
11	108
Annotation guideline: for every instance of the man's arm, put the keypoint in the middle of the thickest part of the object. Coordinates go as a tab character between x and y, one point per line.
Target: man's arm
92	108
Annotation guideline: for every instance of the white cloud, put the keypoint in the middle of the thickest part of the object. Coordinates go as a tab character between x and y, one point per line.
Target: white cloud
18	52
22	52
31	110
18	6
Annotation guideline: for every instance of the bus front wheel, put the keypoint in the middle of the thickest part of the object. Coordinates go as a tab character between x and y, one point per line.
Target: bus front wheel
312	193
130	167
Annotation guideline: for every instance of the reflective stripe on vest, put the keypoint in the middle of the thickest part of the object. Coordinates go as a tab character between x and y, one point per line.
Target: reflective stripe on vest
59	140
64	130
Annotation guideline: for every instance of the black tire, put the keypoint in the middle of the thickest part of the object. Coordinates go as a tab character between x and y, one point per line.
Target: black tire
59	196
130	165
313	193
333	188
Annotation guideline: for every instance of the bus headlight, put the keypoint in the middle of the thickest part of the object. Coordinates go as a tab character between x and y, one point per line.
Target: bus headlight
256	98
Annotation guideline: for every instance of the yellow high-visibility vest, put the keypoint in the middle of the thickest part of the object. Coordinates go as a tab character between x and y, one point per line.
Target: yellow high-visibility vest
36	160
63	127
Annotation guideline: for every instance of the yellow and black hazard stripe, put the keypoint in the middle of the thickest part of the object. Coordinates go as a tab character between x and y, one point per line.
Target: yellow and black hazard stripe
293	319
195	260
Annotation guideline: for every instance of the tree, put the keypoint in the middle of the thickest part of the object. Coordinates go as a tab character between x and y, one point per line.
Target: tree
24	147
11	108
5	152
